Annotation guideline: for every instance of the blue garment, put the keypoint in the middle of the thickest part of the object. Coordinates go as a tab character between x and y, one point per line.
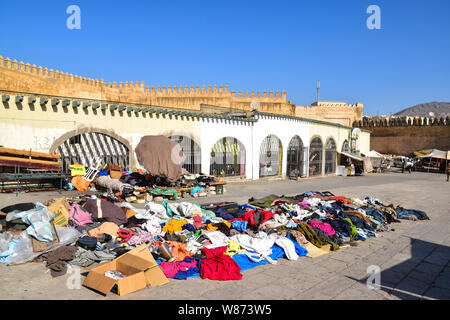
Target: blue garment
245	263
298	248
5	254
224	215
419	214
189	227
196	189
190	273
377	215
239	225
291	224
246	206
103	173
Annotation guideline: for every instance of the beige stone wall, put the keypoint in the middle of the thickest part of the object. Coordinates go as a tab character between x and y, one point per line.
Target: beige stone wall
31	79
344	115
404	135
405	140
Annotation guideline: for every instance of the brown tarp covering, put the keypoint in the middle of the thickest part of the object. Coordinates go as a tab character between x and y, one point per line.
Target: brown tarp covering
161	156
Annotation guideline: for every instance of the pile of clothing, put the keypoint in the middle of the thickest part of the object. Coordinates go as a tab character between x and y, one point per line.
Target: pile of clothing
214	241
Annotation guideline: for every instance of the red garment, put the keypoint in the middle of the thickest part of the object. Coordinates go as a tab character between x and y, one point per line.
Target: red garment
337	198
250	218
218	266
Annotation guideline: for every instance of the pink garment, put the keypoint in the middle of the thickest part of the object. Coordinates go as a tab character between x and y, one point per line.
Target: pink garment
323	226
198	222
170	269
303	204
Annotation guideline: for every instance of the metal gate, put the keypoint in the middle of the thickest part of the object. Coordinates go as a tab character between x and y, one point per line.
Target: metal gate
227	158
191	151
330	156
86	148
295	158
270	156
315	157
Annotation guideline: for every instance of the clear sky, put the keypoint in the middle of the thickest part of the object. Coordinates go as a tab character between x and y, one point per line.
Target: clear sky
250	45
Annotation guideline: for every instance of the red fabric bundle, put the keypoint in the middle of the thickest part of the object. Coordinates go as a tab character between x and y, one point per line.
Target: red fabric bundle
218	266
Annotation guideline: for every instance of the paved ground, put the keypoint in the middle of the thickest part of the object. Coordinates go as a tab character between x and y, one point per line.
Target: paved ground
413	259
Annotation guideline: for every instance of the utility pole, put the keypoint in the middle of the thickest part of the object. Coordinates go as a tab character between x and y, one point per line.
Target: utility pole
318	88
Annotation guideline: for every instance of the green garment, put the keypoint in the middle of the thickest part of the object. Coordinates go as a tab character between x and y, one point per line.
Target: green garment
312	237
168	208
354	234
160	192
266	201
375	223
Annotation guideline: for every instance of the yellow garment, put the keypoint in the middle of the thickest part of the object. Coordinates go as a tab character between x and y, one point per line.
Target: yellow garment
234	248
174	225
211	227
227	223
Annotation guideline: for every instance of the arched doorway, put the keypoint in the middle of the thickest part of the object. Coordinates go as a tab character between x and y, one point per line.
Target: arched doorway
315	157
191	151
227	157
295	158
85	148
330	156
270	156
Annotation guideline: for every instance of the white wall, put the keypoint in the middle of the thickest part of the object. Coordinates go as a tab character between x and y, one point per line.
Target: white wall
285	130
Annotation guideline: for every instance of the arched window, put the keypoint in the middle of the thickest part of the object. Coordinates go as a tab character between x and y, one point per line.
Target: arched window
315	157
270	156
228	158
191	151
295	158
345	147
87	148
330	156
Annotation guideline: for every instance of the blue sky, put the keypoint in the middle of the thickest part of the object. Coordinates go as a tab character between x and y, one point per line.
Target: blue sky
249	45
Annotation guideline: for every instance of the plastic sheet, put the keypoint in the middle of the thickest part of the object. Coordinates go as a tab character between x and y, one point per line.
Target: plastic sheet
23	250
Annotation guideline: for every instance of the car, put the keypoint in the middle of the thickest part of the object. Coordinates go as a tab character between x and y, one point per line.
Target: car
398	162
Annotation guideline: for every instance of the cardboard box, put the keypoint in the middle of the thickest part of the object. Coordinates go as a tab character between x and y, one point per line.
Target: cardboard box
154	275
61	210
115	172
139	267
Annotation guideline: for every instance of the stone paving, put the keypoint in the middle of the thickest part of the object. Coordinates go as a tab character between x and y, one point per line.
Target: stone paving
413	259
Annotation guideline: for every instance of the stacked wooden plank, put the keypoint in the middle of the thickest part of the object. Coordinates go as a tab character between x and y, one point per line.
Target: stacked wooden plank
29	159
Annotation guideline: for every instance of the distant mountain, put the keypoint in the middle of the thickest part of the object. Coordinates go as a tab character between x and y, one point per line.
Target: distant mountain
440	109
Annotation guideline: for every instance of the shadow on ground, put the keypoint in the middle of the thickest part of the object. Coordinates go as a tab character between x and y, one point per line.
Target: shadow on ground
426	275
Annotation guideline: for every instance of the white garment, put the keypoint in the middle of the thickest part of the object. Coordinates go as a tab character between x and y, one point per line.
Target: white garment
153	225
217	237
276	221
287	245
193	246
152	208
261	245
185	209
